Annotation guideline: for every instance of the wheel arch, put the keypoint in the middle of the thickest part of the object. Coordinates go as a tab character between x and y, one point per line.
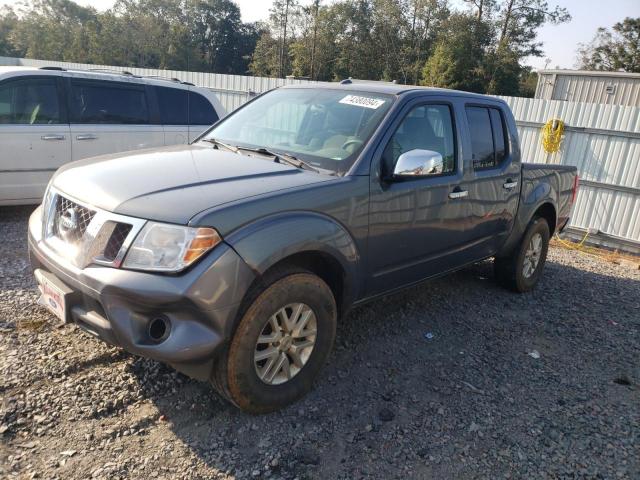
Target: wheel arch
306	240
547	211
545	208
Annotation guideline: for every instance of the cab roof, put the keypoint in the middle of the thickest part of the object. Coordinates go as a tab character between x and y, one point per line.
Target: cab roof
387	88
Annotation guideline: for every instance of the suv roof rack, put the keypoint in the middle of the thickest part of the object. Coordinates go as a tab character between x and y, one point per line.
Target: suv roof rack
172	79
110	70
160	77
122	72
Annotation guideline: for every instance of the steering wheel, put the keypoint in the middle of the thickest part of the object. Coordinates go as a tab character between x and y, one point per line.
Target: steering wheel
353	141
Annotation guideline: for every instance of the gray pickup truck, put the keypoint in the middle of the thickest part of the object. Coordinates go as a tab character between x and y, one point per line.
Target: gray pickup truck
232	258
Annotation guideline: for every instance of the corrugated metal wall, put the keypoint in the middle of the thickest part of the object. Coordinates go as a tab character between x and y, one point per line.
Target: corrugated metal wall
589	88
603	141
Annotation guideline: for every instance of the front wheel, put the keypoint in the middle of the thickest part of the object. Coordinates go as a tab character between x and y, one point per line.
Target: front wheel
280	345
522	270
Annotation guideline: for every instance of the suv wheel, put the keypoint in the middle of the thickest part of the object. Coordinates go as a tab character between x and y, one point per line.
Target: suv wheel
280	345
521	270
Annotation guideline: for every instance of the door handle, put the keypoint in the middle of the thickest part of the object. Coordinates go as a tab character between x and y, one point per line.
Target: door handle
509	184
457	193
52	137
87	136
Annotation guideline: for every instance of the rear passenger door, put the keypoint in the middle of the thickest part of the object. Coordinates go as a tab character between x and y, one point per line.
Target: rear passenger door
110	117
34	136
492	177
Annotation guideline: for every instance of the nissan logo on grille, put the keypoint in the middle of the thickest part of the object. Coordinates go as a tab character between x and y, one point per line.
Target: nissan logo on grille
68	224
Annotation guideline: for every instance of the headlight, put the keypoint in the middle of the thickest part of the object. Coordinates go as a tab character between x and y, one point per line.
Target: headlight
169	248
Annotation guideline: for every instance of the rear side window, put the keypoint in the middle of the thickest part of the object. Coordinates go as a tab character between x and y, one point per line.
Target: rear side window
488	137
32	101
499	137
201	112
174	106
108	103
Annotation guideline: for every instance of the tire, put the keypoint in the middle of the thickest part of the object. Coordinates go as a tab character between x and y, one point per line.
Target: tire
236	375
516	271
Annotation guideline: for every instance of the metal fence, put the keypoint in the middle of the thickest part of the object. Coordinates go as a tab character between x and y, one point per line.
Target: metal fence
603	141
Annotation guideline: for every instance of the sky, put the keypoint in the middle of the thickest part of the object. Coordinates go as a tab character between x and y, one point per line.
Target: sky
560	41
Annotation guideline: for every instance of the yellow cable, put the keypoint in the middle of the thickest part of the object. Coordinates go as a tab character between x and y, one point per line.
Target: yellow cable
552	133
581	247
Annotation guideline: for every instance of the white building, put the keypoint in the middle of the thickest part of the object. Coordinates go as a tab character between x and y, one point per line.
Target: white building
610	88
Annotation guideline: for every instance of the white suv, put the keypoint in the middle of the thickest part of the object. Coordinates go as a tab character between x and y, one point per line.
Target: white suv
51	116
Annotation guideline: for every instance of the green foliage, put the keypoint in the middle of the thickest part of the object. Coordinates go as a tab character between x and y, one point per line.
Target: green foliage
481	49
528	83
173	34
457	61
617	50
8	22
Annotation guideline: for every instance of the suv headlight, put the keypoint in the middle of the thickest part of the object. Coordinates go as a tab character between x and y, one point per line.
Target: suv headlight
162	247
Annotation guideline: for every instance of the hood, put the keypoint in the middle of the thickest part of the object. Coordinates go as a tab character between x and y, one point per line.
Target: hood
173	184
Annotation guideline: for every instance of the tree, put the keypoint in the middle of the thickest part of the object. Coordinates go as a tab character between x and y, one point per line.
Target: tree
617	50
458	59
484	8
173	34
520	20
51	29
501	71
265	61
528	83
8	22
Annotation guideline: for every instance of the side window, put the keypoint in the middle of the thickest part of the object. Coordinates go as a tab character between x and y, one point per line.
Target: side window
488	138
98	102
481	137
201	112
174	106
32	101
426	127
499	137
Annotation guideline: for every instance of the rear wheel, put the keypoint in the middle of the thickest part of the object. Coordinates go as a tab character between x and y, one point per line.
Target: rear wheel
280	345
522	270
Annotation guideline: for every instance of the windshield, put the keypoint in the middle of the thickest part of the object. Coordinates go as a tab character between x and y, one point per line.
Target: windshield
325	128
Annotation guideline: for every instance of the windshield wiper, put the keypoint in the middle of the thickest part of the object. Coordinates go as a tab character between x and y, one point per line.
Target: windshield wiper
218	144
281	157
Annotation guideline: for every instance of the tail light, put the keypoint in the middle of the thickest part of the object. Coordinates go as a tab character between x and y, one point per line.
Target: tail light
574	192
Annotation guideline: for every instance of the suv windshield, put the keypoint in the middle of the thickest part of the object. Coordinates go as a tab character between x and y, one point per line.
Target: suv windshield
325	128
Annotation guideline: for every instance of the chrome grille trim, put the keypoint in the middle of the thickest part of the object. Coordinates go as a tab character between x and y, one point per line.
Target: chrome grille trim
96	228
85	215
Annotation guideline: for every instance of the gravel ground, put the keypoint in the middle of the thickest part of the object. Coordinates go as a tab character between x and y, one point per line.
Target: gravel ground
456	378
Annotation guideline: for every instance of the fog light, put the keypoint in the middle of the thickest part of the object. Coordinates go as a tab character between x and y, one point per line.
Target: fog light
159	328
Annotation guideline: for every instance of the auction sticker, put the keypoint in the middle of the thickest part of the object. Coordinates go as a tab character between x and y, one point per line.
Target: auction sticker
359	101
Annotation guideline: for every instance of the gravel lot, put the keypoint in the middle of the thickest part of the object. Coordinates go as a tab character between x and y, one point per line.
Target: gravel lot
437	382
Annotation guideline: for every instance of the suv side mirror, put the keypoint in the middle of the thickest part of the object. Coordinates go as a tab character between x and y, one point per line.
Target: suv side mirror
418	163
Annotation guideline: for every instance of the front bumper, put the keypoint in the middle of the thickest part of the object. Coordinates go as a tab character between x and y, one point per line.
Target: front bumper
117	305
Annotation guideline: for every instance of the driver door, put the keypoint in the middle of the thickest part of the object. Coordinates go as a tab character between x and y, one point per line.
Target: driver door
417	223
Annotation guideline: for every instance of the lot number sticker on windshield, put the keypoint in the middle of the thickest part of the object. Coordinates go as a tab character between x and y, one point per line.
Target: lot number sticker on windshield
365	102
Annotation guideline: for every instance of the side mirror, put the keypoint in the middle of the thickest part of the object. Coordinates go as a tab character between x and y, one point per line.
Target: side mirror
418	163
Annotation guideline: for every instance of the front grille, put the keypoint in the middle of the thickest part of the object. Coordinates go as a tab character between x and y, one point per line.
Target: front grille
82	218
117	238
83	235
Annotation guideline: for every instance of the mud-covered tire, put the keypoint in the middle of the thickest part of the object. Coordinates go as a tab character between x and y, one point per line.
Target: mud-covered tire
514	271
235	375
